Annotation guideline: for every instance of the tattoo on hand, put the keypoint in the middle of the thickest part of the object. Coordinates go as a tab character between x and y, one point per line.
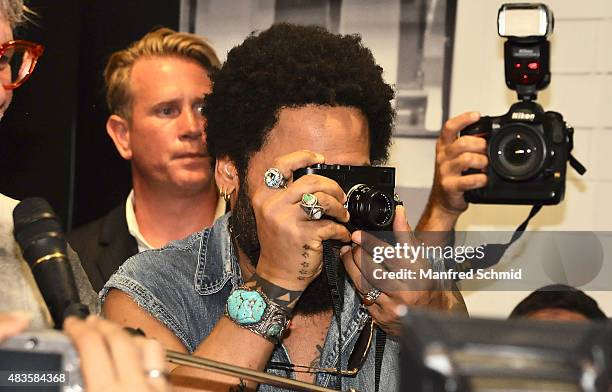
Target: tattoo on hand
284	298
303	273
305	252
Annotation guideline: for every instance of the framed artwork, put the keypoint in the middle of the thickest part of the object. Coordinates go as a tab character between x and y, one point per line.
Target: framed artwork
411	39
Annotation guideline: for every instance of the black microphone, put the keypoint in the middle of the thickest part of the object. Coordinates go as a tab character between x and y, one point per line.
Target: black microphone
39	234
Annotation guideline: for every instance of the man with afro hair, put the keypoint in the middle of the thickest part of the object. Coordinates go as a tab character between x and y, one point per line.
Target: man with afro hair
250	290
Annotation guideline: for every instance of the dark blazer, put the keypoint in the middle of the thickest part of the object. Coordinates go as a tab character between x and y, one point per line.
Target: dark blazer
103	245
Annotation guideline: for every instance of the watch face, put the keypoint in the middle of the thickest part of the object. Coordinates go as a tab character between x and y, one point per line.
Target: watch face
246	307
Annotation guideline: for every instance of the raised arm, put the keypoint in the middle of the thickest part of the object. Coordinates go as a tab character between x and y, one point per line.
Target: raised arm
453	156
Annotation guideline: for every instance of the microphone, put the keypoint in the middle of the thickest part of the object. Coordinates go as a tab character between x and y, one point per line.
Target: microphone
39	234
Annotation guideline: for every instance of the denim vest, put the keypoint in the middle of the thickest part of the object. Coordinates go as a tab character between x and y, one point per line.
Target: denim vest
185	285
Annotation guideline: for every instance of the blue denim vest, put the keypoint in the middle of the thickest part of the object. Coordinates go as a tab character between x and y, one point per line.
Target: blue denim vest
185	285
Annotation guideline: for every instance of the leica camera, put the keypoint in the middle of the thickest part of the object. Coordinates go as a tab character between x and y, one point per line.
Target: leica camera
370	192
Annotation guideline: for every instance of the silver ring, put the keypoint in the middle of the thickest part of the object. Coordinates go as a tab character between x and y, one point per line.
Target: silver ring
310	205
156	373
273	178
371	297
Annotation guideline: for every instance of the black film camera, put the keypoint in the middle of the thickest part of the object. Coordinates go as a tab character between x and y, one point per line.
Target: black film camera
528	148
370	192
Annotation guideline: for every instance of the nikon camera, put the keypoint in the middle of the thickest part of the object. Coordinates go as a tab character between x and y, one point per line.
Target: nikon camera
528	148
370	192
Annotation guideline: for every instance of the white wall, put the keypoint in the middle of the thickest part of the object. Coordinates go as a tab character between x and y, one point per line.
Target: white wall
581	89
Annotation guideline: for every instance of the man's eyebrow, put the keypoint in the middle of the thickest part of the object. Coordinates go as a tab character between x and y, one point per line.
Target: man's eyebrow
165	102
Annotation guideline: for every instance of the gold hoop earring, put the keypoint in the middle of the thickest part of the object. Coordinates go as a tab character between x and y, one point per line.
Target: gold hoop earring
226	195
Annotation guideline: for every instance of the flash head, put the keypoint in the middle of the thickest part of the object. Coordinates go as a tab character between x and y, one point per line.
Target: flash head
527	49
525	20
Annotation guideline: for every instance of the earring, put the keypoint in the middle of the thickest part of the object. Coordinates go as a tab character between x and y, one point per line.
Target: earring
226	195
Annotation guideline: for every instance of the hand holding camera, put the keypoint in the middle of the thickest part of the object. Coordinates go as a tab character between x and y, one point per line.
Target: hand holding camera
290	238
349	198
527	148
453	157
370	193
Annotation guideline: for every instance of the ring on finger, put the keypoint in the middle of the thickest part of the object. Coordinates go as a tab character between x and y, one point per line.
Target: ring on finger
371	297
310	205
274	179
156	373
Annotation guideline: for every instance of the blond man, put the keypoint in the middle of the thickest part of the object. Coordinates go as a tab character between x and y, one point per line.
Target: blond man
155	90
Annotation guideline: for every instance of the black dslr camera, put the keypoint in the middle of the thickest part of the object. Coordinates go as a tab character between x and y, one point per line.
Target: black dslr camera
528	148
370	192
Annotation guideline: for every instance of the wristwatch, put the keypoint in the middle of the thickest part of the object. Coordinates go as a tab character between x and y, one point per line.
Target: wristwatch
252	309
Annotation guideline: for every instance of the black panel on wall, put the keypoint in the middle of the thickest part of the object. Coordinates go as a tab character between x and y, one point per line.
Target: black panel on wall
102	177
35	151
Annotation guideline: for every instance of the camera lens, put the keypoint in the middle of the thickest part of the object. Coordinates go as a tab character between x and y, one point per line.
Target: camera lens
517	152
370	208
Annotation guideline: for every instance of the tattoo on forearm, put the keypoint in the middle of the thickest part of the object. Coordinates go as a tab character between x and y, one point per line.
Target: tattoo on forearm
284	298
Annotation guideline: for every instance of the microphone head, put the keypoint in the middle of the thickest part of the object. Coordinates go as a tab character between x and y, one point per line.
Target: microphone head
35	223
30	210
39	234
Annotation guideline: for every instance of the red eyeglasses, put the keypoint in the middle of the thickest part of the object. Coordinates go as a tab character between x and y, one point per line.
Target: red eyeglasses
17	62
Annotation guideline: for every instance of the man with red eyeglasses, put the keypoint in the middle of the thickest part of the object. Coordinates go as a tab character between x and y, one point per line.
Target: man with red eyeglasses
18	290
111	360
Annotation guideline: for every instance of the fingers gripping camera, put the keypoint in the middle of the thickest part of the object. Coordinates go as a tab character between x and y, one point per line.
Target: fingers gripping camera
370	193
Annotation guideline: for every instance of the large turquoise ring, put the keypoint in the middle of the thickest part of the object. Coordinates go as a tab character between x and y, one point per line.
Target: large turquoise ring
246	307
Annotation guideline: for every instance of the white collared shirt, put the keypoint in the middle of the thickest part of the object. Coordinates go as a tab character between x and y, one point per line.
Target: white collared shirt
134	230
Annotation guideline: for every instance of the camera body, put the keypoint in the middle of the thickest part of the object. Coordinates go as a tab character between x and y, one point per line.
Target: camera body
528	150
370	192
47	354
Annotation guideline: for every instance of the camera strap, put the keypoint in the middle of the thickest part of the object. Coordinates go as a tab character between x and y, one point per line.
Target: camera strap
381	341
576	165
492	252
334	270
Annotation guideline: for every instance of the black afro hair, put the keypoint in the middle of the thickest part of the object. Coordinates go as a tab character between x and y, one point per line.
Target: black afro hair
292	66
